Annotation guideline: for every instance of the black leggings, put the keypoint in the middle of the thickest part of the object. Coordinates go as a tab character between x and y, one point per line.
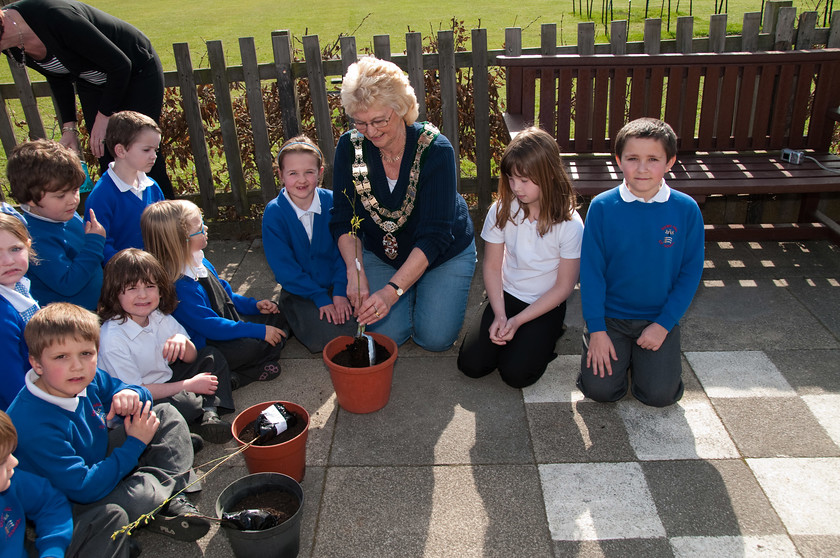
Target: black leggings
523	360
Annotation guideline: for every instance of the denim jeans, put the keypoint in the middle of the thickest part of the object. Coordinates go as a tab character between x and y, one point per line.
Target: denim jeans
432	310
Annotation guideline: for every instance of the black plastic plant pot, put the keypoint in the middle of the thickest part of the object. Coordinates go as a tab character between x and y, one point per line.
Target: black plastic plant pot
281	541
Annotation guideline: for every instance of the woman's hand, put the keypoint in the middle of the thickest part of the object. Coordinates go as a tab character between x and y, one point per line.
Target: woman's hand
377	305
70	138
357	287
97	135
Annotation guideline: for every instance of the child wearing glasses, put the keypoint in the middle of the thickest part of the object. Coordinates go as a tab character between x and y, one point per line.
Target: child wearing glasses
249	333
124	191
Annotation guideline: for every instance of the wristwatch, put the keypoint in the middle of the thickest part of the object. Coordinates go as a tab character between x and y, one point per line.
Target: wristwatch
396	288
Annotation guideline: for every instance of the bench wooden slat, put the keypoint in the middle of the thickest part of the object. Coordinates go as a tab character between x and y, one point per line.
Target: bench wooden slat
674	97
727	99
781	101
618	97
564	107
583	110
637	92
600	142
825	101
764	104
548	90
746	99
655	88
801	102
689	113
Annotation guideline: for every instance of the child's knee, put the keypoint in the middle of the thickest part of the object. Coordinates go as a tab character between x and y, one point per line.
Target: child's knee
602	390
659	397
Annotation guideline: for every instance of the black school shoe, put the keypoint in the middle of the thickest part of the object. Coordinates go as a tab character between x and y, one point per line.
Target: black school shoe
213	429
180	520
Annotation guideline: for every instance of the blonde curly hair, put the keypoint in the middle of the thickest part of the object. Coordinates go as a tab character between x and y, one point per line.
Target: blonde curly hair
372	82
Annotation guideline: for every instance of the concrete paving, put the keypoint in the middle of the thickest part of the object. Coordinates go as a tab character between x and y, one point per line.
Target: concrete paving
747	464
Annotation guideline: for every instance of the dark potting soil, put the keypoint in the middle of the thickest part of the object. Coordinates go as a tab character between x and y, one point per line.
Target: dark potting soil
355	355
279	503
249	433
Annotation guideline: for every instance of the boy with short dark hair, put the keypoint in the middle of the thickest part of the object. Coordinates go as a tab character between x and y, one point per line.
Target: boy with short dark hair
27	497
125	190
68	405
45	177
640	265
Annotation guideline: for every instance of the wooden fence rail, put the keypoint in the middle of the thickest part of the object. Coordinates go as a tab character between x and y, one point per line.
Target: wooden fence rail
781	30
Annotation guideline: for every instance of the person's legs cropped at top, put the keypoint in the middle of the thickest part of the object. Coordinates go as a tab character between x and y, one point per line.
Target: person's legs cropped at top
441	301
656	375
521	361
432	310
306	323
611	387
144	95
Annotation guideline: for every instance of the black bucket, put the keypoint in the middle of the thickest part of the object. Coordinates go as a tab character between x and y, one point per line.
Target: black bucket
282	541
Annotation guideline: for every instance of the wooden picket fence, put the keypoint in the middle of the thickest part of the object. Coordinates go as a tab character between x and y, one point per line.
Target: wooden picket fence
781	30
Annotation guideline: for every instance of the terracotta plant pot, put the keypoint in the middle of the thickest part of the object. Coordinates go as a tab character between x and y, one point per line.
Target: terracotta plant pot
288	457
361	390
281	541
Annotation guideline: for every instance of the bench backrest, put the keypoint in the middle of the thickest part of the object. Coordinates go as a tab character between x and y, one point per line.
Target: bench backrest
714	102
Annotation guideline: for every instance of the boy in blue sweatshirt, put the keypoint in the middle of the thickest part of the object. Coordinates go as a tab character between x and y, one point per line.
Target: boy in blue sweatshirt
640	265
125	190
27	497
68	406
45	177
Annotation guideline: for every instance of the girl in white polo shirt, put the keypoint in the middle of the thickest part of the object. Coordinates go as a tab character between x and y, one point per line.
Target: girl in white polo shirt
531	264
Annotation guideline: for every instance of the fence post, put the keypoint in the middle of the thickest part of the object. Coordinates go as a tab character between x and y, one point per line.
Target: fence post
685	34
749	33
382	47
717	33
834	31
618	36
198	141
449	94
414	67
320	104
586	37
653	35
28	101
259	123
7	132
347	45
227	123
771	14
785	29
481	101
806	31
286	90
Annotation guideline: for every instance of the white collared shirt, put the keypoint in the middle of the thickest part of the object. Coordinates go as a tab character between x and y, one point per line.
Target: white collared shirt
197	270
306	216
66	403
661	196
17	300
143	182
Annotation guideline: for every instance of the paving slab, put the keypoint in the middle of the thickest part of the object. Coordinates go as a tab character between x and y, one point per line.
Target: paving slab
710	498
432	511
803	492
436	415
751	317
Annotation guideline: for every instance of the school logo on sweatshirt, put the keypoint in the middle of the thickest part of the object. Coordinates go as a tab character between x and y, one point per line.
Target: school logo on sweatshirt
669	233
99	413
10	524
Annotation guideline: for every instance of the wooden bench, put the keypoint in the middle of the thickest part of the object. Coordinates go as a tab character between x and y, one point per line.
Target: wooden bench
733	113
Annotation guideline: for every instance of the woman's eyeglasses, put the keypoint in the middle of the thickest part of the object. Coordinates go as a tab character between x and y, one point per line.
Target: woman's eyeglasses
202	230
378	124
